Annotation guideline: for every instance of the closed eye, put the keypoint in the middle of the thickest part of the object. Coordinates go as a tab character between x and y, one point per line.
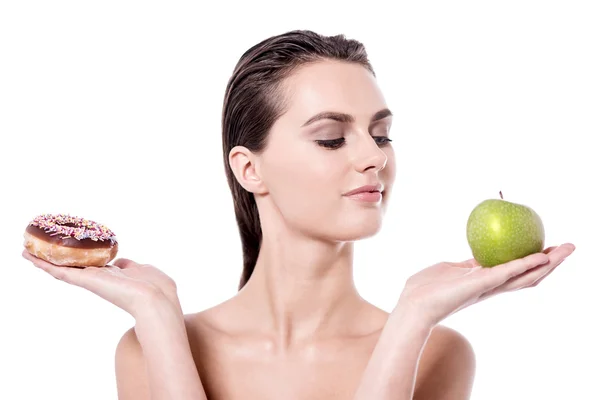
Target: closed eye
339	142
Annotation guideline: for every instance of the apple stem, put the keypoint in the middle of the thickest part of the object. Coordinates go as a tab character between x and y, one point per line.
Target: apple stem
502	197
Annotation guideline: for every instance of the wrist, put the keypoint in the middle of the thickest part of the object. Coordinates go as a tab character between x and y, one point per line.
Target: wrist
155	304
412	316
159	319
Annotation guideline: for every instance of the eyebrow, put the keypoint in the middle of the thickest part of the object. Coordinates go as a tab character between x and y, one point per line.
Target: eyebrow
346	118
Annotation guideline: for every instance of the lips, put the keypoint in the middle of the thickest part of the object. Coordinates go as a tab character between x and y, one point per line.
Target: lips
366	189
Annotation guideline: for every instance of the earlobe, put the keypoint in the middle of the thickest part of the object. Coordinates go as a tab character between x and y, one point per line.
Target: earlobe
243	165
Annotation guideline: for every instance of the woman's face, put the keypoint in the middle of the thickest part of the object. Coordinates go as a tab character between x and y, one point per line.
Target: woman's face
306	181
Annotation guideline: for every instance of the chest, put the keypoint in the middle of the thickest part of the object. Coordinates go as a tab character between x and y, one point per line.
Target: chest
256	372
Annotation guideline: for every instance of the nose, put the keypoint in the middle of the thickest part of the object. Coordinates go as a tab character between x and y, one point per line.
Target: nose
369	155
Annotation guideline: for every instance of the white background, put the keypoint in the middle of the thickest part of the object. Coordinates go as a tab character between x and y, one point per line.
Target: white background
111	110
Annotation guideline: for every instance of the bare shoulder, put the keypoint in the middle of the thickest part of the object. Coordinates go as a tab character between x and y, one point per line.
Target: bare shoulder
130	366
130	369
447	366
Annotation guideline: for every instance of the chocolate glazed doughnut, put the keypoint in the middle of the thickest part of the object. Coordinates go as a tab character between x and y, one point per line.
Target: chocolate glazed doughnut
70	241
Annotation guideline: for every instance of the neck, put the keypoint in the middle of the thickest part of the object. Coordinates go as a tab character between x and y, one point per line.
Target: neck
301	288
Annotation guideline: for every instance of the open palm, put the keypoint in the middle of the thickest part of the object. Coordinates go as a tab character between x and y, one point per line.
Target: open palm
125	283
442	289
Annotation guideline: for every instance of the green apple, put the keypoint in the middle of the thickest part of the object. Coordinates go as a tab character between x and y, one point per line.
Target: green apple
499	231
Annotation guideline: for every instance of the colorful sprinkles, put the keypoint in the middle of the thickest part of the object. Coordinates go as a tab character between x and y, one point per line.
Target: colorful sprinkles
57	224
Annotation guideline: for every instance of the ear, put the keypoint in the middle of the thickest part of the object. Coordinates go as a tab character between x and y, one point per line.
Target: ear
244	165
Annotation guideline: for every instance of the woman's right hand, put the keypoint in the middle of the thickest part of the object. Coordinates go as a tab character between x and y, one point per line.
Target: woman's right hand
125	283
447	287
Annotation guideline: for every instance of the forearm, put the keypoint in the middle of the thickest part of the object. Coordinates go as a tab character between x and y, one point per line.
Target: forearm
392	370
171	371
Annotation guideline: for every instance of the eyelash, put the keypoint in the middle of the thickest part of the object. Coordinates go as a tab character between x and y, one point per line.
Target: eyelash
337	143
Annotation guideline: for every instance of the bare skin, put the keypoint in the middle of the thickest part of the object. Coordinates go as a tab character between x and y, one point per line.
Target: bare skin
229	346
155	359
299	329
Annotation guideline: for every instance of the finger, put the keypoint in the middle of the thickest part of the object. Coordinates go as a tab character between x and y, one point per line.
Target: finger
550	249
517	282
124	263
472	263
557	257
63	273
562	251
540	279
487	279
532	277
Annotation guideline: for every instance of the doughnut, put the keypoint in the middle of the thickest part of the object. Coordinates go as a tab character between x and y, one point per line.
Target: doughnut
70	241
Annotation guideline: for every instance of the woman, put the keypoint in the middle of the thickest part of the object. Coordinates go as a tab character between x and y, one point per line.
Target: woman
304	124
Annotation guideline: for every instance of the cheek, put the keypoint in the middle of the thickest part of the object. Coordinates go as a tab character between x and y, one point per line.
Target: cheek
307	190
306	187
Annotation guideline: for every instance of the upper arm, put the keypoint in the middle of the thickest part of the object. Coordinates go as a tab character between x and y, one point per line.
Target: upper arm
447	367
130	369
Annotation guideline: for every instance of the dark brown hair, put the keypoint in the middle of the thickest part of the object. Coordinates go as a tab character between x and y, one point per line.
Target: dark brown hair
254	101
